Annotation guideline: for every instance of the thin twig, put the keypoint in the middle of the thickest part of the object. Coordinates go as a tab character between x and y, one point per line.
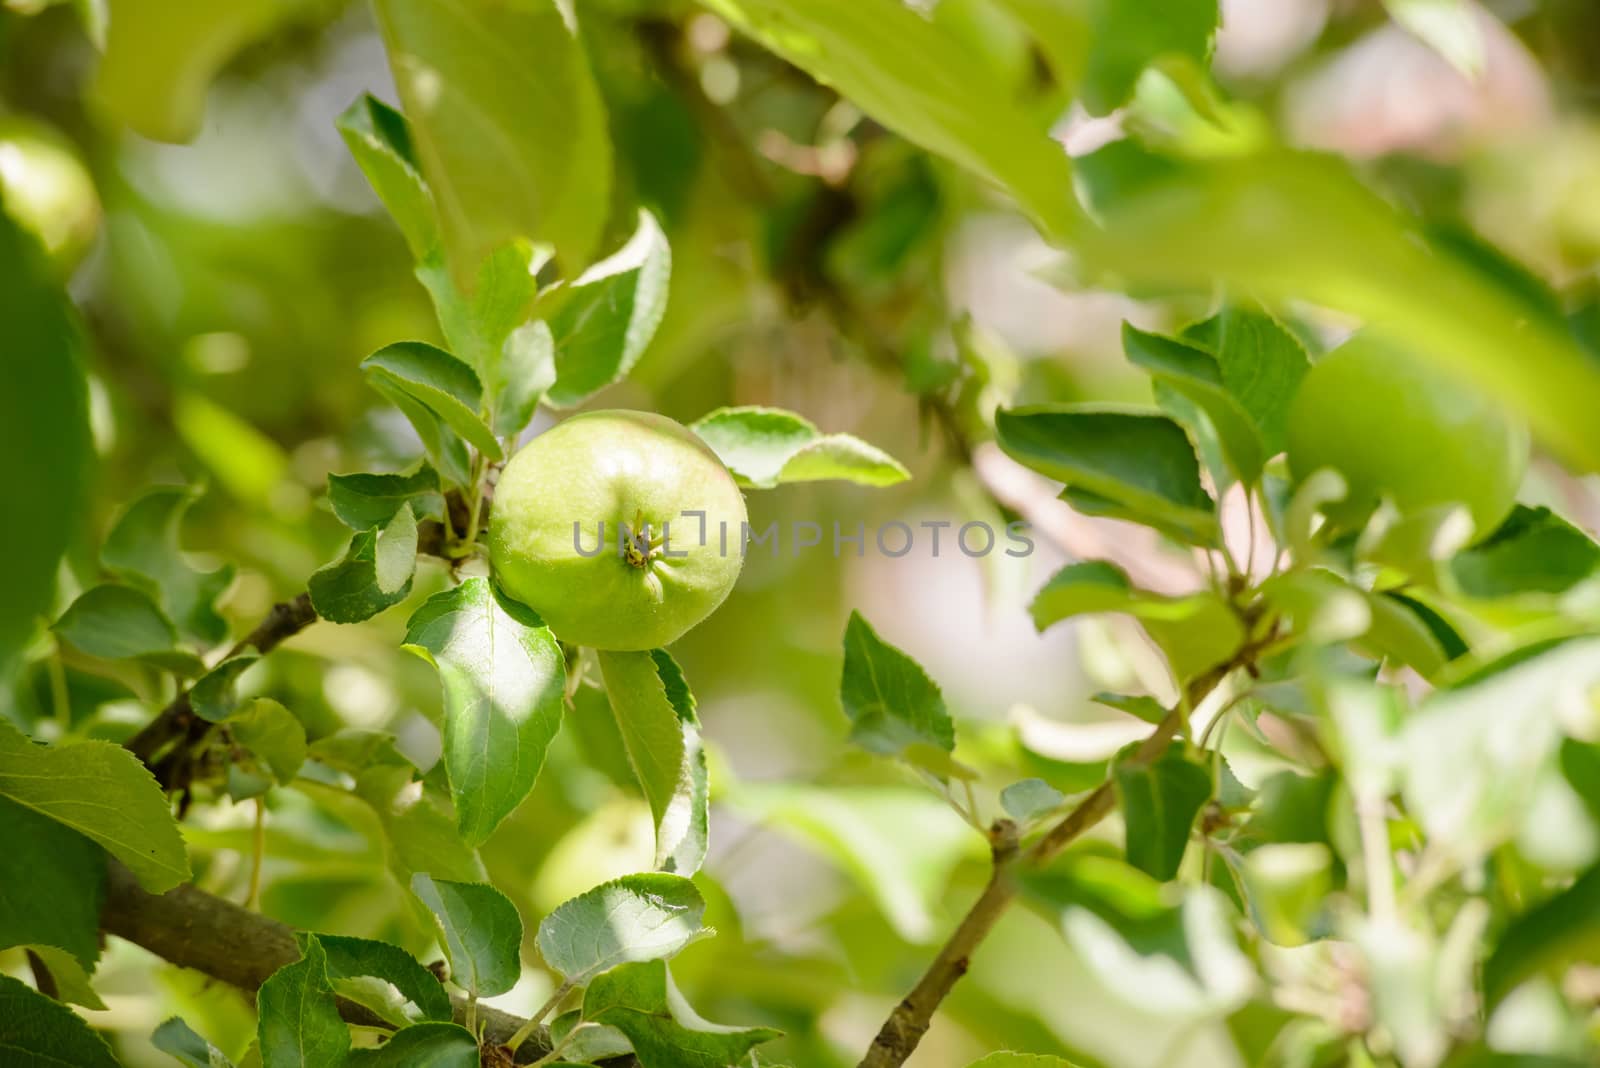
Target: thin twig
909	1021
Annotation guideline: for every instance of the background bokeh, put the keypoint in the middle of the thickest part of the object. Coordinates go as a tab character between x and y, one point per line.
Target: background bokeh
232	285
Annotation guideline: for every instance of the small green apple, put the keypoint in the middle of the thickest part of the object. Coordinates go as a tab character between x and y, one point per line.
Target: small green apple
661	569
1396	427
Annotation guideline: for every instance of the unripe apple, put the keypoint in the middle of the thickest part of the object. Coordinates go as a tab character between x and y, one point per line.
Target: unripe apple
641	478
1396	427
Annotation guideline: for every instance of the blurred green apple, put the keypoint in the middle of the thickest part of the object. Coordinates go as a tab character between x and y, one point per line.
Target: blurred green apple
1397	428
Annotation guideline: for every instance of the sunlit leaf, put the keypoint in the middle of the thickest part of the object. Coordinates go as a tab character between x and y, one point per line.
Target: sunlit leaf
642	1002
1128	35
347	590
161	55
766	447
380	140
924	83
511	148
655	715
480	931
503	677
101	791
601	322
1197	631
634	918
1298	226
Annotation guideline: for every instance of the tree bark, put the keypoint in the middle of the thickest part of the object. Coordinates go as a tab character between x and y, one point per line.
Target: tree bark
193	929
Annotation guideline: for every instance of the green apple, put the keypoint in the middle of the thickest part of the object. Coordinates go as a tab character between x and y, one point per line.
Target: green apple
661	569
47	189
1398	428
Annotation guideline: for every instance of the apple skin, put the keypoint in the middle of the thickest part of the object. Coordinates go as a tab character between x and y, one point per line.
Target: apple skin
1396	427
620	468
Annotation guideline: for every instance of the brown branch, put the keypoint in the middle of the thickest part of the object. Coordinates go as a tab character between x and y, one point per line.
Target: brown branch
193	929
909	1021
165	744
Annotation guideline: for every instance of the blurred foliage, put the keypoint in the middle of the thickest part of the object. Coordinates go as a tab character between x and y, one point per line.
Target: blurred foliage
918	264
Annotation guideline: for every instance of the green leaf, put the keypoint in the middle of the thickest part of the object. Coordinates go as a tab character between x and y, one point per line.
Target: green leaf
900	845
891	702
347	590
352	958
642	1002
1129	35
213	695
422	1045
766	447
1297	226
73	984
37	1032
1140	462
1262	364
363	501
634	918
143	549
488	327
656	718
511	147
55	880
1007	1059
1140	706
273	734
298	1022
122	623
1196	376
1197	631
1160	801
1550	937
160	58
924	82
481	933
1029	799
503	677
1533	552
179	1040
44	433
602	322
439	382
1287	885
1177	960
1471	755
394	557
380	140
101	791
